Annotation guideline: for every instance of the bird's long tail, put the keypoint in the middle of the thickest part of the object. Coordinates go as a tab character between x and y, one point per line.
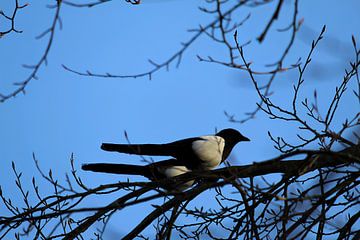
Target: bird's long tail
140	149
117	168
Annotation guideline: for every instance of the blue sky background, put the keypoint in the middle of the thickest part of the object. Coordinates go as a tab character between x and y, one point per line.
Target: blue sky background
63	113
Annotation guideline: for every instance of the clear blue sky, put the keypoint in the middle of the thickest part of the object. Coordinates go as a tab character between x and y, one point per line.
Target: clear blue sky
63	113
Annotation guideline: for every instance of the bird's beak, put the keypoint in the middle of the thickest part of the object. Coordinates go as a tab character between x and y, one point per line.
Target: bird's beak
245	139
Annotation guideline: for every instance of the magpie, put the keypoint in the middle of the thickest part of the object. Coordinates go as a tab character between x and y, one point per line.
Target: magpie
197	153
156	171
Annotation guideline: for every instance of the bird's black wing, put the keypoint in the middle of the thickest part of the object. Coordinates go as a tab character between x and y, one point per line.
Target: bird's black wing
173	149
139	149
155	171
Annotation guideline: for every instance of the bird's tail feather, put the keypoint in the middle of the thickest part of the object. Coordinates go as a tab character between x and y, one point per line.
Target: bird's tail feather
117	168
139	149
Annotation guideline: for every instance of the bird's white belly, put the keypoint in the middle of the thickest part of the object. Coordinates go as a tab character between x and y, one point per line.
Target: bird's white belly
176	171
210	150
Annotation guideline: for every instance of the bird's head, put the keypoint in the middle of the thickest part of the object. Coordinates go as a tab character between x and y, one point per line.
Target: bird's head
233	135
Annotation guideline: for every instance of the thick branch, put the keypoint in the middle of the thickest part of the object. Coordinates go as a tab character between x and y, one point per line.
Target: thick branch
315	160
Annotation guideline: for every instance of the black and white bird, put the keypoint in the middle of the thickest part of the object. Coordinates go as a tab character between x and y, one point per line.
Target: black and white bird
197	153
156	171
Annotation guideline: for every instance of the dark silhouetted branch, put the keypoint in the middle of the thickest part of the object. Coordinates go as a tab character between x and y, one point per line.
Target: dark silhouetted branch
20	86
